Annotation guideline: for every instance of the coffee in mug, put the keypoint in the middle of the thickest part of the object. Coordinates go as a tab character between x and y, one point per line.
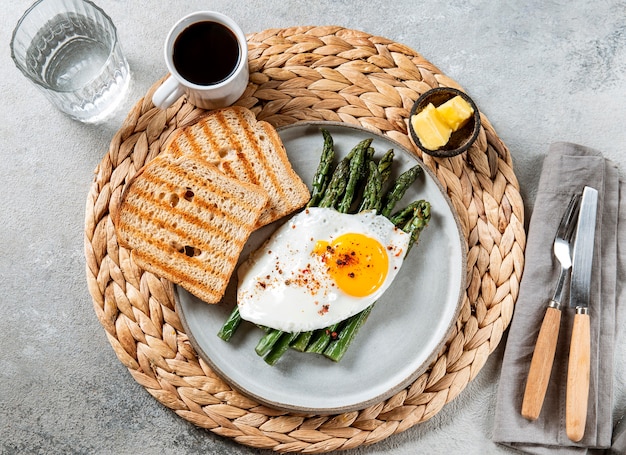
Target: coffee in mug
207	55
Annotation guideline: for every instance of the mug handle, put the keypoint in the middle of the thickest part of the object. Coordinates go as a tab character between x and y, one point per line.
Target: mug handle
167	93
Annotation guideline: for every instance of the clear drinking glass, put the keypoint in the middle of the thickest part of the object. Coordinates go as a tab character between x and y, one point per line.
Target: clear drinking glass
70	50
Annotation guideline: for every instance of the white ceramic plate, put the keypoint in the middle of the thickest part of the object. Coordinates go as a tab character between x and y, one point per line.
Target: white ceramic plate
404	332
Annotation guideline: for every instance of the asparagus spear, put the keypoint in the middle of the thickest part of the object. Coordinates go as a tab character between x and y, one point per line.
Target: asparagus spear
280	347
322	175
401	184
384	165
373	188
321	338
356	171
302	341
268	340
417	224
231	325
337	185
337	348
400	217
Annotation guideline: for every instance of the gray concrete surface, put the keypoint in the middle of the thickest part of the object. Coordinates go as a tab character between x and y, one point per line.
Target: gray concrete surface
542	71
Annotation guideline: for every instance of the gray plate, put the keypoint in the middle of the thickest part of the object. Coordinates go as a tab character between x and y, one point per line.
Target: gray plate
404	332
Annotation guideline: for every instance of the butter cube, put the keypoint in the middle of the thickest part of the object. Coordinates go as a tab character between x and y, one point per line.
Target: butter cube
455	112
432	131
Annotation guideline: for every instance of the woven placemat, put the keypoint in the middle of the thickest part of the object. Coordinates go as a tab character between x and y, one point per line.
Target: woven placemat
310	73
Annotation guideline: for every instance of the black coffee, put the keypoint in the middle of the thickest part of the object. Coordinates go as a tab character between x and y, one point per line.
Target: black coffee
206	53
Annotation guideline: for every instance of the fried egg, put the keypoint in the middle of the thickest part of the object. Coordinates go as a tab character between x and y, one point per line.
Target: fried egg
320	268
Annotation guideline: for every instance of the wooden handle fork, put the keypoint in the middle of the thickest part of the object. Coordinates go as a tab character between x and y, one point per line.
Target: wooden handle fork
541	364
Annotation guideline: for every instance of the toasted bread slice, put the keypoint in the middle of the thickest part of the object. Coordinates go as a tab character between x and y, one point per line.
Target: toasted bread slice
187	221
242	147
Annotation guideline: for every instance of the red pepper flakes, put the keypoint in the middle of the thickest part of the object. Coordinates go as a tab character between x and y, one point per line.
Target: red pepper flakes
324	310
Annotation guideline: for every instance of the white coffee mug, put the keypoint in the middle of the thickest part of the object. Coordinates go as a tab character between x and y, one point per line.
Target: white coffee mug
206	54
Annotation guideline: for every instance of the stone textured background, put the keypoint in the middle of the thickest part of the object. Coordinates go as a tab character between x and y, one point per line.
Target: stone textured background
542	71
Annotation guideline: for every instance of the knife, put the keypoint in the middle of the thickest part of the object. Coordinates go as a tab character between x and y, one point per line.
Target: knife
578	367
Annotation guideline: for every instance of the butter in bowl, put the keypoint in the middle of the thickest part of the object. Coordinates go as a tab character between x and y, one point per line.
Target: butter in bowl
444	122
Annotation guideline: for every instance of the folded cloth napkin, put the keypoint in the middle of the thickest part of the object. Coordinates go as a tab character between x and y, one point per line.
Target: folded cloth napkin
567	168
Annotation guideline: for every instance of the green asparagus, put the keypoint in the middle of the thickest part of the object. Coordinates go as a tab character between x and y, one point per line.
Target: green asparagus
356	177
356	171
384	165
337	348
400	217
337	185
280	347
373	189
302	341
231	325
268	340
322	175
321	338
401	184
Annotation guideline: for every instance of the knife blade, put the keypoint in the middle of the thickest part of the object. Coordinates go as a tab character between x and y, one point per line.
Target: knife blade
577	393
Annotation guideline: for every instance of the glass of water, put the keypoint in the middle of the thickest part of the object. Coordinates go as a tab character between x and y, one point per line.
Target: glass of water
70	50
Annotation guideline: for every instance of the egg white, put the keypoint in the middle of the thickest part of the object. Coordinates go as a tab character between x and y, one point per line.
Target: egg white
283	286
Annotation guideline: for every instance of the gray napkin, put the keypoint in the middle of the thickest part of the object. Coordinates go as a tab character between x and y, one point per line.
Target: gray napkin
567	168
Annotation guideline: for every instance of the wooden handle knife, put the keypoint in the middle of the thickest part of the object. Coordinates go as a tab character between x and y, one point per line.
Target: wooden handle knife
578	377
579	363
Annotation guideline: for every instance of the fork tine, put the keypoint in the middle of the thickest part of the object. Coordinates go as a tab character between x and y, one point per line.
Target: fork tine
566	227
545	348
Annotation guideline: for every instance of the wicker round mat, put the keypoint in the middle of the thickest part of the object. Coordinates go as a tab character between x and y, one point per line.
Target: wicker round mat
310	73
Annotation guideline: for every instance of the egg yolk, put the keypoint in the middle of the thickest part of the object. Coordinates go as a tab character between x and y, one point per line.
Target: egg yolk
358	264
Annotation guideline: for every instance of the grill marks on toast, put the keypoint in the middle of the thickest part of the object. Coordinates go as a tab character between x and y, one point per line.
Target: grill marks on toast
205	218
187	222
220	198
250	165
187	214
242	168
276	192
151	255
262	167
249	150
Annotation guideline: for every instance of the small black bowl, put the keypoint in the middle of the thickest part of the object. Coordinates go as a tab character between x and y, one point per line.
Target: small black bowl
461	139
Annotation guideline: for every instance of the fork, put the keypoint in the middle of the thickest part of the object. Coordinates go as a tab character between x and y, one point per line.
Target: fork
543	356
